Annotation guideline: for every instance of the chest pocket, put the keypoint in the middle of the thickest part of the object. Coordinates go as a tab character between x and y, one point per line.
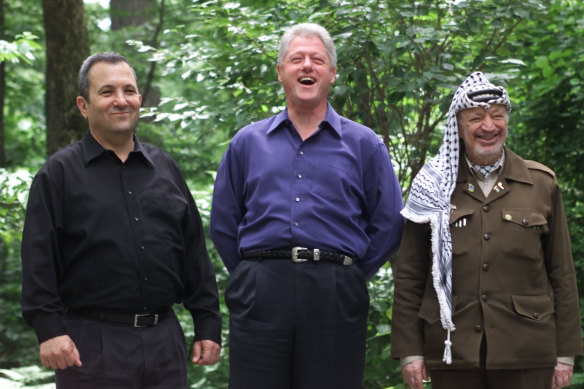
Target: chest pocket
461	230
523	229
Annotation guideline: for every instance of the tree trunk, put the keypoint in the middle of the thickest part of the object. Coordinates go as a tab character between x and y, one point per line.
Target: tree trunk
149	16
126	13
67	47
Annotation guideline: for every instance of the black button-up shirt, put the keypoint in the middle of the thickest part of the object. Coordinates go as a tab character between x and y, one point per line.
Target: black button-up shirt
111	236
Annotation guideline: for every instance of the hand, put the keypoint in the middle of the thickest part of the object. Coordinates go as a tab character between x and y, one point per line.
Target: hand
59	353
415	373
562	375
206	352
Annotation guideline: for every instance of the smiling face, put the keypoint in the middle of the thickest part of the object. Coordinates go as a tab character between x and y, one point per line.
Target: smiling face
483	133
113	107
306	73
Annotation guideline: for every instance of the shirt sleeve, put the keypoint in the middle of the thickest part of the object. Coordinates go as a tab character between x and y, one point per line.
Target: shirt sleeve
561	273
410	272
202	295
227	209
384	204
41	305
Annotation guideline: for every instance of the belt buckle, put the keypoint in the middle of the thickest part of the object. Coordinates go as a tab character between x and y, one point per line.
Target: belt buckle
295	254
347	260
139	315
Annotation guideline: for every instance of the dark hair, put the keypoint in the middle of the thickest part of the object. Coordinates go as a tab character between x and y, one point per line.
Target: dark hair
109	57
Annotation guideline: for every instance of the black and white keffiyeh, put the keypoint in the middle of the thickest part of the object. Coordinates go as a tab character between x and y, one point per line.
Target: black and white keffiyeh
429	198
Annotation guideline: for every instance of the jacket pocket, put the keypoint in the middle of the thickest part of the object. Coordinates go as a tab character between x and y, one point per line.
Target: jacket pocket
535	308
461	231
523	229
430	309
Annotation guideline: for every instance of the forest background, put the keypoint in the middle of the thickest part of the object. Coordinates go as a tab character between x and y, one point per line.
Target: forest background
207	68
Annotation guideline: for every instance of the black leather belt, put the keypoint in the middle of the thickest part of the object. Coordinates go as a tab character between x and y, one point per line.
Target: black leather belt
301	254
136	320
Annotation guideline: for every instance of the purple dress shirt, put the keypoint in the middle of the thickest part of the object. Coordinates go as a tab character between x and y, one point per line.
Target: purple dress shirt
336	190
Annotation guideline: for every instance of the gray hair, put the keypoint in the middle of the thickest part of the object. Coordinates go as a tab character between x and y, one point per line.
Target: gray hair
308	30
109	57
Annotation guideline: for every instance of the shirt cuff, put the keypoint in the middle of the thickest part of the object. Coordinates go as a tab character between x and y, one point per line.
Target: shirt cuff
405	360
566	360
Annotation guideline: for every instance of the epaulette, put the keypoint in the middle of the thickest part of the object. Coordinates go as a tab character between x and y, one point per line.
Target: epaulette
539	166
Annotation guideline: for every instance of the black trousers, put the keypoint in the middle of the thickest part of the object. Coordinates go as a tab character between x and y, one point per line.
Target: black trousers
119	356
296	325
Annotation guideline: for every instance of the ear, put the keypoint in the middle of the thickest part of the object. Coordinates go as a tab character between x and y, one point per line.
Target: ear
82	105
333	75
279	73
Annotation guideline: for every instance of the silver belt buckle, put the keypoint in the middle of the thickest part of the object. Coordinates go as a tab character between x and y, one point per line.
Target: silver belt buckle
139	315
347	260
295	254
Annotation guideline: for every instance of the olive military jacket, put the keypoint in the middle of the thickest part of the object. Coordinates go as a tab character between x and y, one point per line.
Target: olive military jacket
513	276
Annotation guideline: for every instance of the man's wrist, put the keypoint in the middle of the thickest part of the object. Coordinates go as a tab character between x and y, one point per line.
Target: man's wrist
409	359
566	360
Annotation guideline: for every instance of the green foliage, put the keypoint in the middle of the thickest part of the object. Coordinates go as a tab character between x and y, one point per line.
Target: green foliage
23	48
16	340
214	67
32	377
23	102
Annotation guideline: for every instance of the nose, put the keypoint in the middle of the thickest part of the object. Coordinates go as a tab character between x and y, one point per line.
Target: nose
307	63
488	123
120	99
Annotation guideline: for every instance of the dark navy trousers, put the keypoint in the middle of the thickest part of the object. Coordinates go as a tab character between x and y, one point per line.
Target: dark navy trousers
296	325
119	356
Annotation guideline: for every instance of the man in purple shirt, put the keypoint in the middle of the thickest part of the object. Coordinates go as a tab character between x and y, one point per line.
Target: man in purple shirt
306	207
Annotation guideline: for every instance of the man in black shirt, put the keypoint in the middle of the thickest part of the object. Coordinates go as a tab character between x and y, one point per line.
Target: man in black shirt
112	239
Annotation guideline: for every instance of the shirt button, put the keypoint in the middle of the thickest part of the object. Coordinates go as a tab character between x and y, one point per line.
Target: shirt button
295	224
299	176
301	152
536	315
525	222
485	267
130	192
142	247
486	236
145	278
478	328
136	219
484	297
297	199
486	208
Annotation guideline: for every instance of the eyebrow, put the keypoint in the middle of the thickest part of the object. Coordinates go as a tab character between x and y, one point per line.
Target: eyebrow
106	86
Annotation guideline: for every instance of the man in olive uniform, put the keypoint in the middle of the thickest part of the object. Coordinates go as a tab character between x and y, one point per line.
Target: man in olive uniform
485	287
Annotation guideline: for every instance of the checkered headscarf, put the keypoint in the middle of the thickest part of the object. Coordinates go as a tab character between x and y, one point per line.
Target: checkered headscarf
429	199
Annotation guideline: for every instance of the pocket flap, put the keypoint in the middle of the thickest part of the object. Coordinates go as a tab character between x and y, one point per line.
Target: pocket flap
533	307
456	214
523	217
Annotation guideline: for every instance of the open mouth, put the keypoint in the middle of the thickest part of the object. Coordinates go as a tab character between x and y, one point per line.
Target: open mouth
307	81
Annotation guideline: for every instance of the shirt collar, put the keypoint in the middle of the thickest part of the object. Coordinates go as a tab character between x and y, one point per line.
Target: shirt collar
331	118
93	149
496	167
513	168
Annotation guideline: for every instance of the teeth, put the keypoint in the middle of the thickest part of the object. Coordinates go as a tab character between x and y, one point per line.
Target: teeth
307	80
